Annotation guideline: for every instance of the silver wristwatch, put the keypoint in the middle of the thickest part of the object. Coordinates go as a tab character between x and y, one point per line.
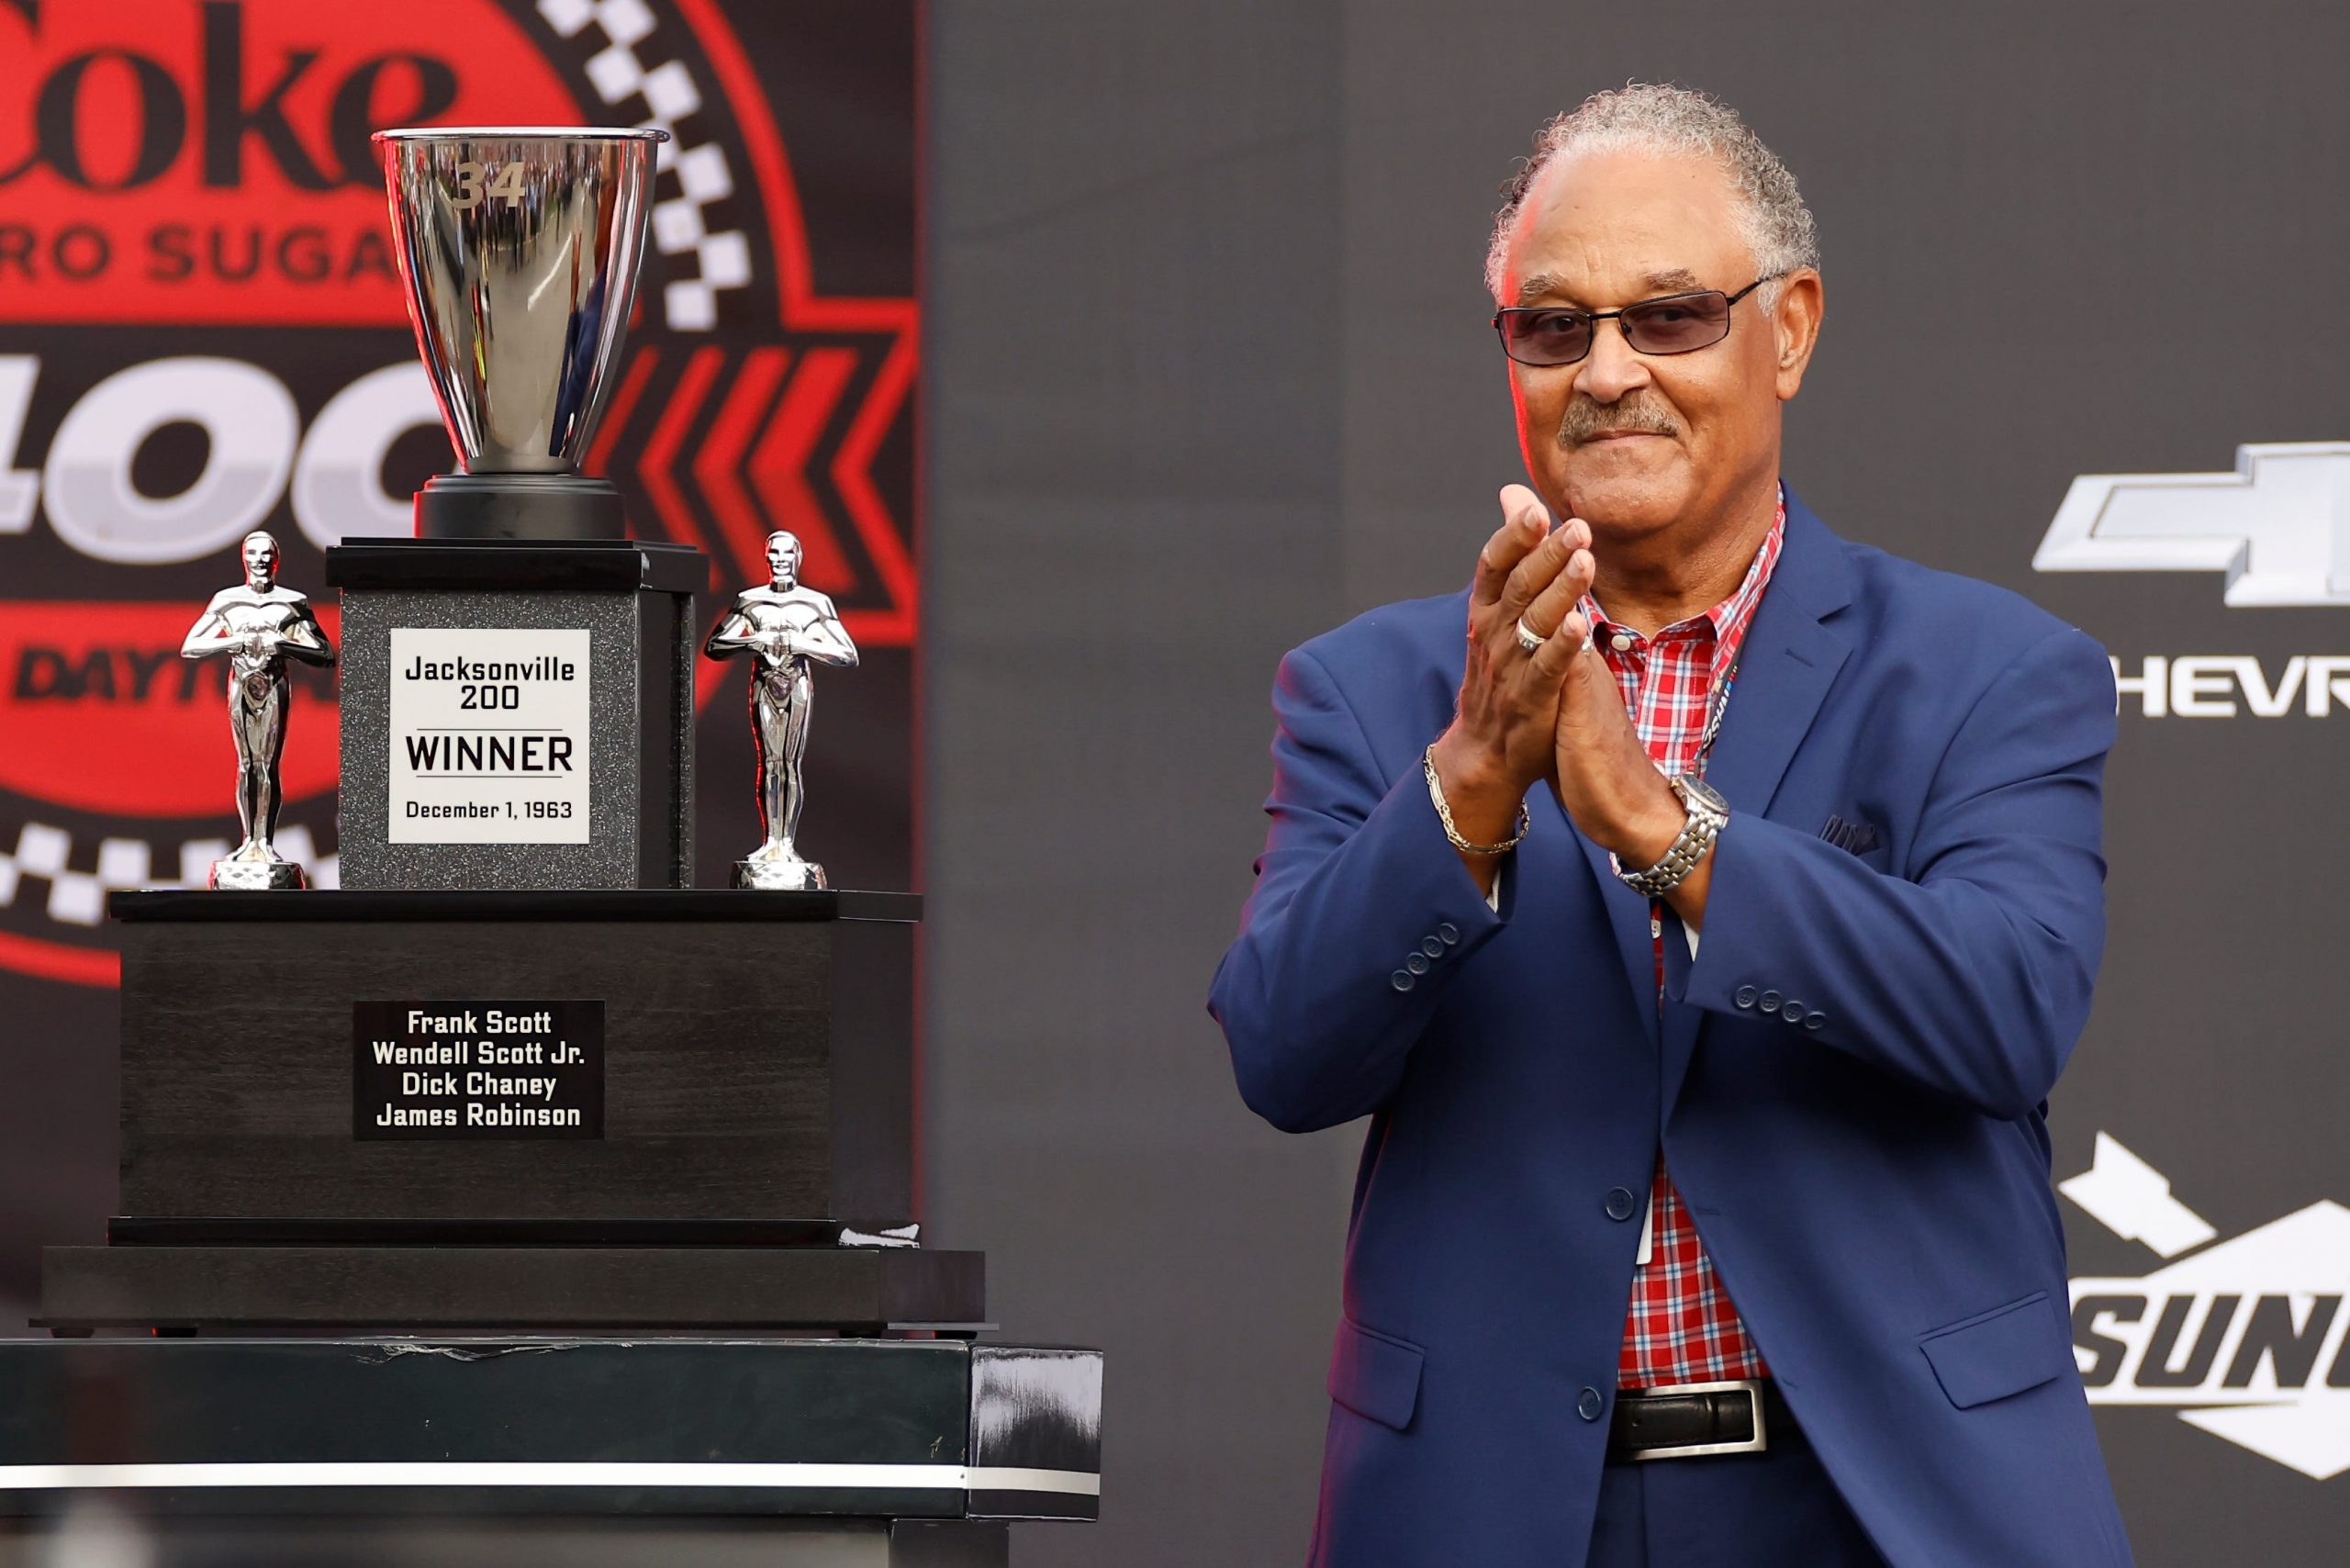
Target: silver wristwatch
1707	813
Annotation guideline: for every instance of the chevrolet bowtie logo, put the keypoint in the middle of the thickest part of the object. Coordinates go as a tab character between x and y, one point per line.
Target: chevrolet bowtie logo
2279	526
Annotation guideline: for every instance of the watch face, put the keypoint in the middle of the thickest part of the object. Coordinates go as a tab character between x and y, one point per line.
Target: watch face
1696	791
1700	793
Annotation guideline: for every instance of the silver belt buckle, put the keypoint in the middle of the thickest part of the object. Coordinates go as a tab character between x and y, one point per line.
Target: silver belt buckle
1751	1387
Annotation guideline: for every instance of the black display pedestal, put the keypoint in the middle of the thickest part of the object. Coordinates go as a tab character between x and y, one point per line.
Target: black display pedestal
534	1289
601	1129
94	1533
819	1454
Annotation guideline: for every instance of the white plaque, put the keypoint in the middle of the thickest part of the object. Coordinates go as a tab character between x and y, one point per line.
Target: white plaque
489	735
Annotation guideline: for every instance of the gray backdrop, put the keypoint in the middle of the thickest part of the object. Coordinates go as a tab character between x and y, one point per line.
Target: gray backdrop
1208	372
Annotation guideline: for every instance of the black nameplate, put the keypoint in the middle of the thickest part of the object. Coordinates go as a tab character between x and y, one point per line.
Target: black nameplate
477	1070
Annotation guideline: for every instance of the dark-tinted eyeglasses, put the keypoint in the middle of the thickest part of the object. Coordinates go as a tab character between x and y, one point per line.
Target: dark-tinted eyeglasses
1674	323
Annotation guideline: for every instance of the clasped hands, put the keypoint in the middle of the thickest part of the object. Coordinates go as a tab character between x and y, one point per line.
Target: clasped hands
1555	715
779	643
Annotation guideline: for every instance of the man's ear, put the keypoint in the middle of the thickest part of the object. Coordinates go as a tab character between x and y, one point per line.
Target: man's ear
1794	322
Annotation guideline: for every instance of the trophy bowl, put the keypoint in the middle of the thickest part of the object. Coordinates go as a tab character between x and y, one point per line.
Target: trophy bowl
520	249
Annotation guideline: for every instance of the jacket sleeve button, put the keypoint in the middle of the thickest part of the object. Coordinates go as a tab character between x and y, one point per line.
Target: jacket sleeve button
1744	996
1769	1000
1792	1012
1448	933
1402	979
1432	946
1815	1020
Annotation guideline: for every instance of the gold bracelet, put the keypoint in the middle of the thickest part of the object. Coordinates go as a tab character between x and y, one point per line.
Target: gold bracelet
1444	815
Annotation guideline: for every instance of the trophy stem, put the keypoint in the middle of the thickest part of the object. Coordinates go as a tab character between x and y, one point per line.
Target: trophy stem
518	506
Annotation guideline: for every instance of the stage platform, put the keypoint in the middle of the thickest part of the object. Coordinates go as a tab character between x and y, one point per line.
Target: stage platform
802	1453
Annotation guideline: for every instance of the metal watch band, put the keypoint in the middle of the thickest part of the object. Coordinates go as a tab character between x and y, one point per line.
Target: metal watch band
1707	814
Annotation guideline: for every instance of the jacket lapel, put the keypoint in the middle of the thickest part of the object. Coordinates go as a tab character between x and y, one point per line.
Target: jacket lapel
1790	660
1627	914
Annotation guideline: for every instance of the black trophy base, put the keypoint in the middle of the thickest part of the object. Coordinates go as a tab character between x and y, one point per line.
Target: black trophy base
520	506
756	1071
595	1290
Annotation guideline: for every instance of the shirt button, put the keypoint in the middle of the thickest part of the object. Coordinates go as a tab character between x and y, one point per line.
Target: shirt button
1432	946
1417	964
1619	1203
1402	979
1743	996
1792	1012
1770	1001
1449	933
1621	642
1588	1405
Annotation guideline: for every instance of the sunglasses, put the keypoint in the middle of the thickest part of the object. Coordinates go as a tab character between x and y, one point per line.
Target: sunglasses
1674	323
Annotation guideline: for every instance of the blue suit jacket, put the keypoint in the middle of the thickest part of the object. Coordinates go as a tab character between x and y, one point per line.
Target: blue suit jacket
1868	1164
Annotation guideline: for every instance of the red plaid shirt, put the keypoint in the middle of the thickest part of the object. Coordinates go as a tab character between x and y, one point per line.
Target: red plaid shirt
1681	1326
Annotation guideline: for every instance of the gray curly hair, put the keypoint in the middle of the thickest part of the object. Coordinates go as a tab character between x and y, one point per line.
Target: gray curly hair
1648	116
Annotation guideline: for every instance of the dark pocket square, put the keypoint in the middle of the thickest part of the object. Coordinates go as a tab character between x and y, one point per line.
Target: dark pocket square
1858	838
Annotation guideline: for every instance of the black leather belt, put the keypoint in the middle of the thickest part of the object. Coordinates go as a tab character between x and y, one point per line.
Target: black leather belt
1690	1420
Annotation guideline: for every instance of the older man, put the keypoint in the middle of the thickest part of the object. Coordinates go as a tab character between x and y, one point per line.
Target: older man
1703	934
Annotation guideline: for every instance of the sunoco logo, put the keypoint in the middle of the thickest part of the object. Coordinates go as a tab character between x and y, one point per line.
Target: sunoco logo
2244	1339
201	333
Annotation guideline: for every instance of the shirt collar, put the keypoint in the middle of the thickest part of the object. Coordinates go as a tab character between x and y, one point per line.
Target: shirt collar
1729	619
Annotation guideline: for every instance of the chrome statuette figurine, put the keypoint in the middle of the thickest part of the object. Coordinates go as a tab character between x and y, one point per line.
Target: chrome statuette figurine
259	626
789	627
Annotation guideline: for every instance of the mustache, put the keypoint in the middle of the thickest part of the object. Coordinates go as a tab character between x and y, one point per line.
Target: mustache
1586	418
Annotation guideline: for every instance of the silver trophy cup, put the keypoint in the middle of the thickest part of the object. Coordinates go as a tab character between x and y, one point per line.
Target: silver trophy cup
520	249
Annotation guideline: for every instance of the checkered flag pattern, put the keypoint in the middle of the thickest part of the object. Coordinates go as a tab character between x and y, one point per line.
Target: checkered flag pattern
72	880
680	225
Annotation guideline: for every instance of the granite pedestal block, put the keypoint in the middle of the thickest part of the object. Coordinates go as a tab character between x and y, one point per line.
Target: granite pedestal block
634	604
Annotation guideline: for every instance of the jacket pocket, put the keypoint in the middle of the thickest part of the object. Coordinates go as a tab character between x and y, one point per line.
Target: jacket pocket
1375	1375
2000	1352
